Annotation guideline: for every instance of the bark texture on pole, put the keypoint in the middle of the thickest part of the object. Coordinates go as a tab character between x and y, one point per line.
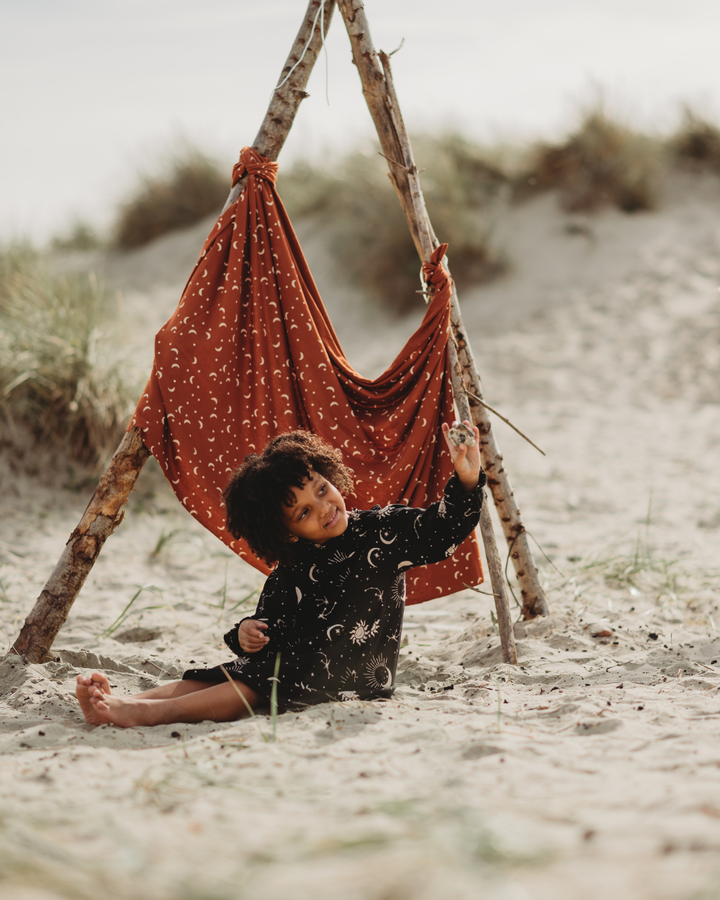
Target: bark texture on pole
376	77
105	510
492	555
534	602
103	515
289	95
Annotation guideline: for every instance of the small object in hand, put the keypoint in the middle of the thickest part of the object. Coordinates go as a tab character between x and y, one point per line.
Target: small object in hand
460	433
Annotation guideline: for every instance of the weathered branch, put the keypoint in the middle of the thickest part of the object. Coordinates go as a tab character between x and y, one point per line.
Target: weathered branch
103	515
534	602
492	555
287	98
376	77
105	510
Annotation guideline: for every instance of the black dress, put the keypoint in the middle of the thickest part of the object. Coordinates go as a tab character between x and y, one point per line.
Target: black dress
335	616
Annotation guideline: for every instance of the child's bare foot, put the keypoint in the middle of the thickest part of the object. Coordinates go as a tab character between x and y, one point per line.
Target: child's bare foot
123	711
86	686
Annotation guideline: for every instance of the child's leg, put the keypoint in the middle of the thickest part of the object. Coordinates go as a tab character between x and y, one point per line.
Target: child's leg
192	701
87	685
97	683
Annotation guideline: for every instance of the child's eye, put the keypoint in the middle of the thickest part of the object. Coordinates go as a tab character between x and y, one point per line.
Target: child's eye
322	489
302	515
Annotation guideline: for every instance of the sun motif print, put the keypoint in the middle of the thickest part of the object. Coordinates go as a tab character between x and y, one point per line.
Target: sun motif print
362	631
335	615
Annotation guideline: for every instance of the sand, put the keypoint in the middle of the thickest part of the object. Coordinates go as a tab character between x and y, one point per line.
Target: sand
591	770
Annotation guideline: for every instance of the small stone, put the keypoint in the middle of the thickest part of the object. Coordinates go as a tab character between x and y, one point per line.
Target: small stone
601	630
460	433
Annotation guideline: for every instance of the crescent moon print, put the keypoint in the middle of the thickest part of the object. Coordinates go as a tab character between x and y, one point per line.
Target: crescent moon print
310	573
334	628
387	542
377	673
299	595
369	556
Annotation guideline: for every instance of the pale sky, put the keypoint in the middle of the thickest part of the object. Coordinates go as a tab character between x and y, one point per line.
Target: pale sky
93	90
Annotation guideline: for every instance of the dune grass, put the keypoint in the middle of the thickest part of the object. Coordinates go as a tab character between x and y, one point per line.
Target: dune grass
696	143
80	236
601	163
352	201
185	188
57	373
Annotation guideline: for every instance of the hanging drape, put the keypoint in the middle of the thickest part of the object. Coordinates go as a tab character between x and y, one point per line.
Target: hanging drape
250	353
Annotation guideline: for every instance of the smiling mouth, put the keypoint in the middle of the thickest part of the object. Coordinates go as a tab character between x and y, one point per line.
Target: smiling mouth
333	518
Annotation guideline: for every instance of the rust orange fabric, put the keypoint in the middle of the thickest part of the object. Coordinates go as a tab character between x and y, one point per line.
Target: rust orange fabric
250	353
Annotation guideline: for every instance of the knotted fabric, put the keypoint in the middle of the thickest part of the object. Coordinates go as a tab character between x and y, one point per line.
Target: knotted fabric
250	353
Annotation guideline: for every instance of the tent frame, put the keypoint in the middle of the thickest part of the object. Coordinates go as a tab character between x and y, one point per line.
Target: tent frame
105	511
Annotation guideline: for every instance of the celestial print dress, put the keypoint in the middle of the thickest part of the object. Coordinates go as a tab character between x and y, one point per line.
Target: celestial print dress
335	615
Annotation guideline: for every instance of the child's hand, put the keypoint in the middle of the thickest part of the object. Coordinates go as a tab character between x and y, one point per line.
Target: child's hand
251	635
465	459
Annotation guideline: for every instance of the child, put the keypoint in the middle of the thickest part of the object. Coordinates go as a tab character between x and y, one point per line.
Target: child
330	613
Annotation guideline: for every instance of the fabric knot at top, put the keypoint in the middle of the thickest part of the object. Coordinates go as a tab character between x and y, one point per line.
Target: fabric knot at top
254	163
433	271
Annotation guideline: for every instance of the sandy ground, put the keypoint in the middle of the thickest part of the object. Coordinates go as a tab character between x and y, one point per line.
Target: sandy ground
590	771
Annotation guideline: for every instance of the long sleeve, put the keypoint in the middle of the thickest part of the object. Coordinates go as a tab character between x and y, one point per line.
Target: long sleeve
416	537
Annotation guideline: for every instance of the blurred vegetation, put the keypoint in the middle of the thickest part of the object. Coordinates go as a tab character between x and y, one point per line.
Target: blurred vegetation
602	163
81	236
697	143
186	188
57	377
355	206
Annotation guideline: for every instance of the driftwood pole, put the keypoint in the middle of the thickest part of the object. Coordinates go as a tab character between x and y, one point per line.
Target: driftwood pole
385	110
376	77
105	510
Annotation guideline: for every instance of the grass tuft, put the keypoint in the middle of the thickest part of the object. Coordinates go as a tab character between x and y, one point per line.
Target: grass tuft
697	143
79	237
57	374
353	203
602	163
185	189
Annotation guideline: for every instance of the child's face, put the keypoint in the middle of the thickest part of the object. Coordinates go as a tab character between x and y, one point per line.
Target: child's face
318	512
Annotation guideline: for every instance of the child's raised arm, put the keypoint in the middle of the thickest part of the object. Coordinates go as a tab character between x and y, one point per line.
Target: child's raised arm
466	459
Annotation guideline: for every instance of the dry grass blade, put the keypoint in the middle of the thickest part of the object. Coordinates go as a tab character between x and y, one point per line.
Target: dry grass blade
242	696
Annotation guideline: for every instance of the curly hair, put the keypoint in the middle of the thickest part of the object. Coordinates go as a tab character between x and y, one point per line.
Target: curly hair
263	484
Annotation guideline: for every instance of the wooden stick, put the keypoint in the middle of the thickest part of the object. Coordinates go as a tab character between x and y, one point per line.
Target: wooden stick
376	77
385	111
506	421
534	602
105	511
